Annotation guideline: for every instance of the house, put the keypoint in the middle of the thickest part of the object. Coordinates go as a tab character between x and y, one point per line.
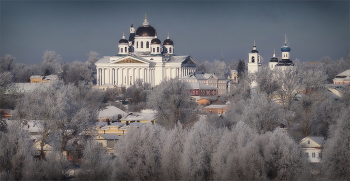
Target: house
145	116
199	91
111	113
110	128
219	109
6	113
233	77
203	101
209	80
43	79
312	147
342	78
107	140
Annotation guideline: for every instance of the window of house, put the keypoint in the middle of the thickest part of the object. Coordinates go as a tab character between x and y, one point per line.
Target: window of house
126	50
121	50
307	155
313	155
147	44
157	49
170	50
154	49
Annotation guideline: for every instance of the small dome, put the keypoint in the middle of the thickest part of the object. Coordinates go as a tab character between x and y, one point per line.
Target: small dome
274	59
123	40
145	31
155	41
168	42
285	48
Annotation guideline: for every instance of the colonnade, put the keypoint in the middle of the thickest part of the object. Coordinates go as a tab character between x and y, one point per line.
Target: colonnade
126	76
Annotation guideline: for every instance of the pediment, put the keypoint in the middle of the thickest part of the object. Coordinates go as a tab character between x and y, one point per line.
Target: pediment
189	61
128	60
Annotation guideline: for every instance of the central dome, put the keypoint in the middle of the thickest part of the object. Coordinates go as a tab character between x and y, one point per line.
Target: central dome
146	31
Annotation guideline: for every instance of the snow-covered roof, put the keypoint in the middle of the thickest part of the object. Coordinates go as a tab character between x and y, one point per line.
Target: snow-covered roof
110	136
101	124
345	73
177	59
111	111
317	139
215	106
33	126
197	85
116	124
25	87
140	116
36	76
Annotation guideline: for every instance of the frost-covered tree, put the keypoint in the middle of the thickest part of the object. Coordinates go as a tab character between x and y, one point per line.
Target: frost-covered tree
51	63
336	152
6	90
59	112
96	162
75	72
226	155
262	115
7	63
172	100
171	153
267	81
198	152
138	154
15	152
93	58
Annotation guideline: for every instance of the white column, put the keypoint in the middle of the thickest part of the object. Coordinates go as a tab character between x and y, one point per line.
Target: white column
103	76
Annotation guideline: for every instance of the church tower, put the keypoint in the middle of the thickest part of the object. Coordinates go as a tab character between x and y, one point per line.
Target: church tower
123	46
274	61
285	55
132	34
254	60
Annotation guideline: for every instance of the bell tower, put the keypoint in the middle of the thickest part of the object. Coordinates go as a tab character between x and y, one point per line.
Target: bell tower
254	60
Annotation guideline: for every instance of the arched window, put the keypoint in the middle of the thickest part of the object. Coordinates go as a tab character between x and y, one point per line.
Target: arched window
147	44
253	59
137	44
157	49
121	50
126	50
170	50
142	44
154	49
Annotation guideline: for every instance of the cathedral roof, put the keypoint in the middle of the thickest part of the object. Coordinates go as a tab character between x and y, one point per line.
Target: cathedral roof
155	41
123	41
168	42
146	31
274	59
285	48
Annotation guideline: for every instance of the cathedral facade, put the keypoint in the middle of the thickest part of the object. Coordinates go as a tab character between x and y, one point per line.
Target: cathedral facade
143	57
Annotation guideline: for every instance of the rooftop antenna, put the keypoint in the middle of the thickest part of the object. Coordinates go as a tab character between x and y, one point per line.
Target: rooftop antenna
286	40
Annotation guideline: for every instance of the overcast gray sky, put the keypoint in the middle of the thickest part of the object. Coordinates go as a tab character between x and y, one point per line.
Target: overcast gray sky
202	29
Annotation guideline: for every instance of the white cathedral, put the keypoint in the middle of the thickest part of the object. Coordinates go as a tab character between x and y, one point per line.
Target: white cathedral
255	60
143	57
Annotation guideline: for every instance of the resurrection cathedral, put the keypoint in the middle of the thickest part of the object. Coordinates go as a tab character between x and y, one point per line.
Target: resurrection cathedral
143	57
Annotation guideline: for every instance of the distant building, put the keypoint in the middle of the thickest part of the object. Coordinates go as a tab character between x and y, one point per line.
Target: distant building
312	147
233	77
219	109
199	91
342	78
143	57
43	79
208	79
